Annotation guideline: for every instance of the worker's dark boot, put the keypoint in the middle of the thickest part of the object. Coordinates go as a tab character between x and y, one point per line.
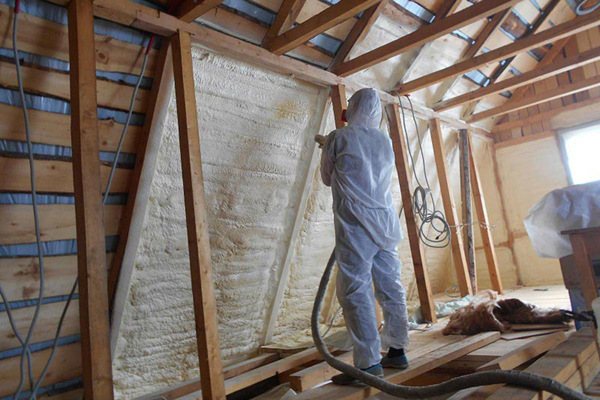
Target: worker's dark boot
346	380
395	358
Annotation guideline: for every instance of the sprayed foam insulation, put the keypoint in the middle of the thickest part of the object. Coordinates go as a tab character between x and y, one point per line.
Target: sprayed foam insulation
527	172
257	139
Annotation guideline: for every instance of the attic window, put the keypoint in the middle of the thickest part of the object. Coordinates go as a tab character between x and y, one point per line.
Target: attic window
582	148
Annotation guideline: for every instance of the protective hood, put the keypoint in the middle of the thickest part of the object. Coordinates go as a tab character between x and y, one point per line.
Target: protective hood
364	109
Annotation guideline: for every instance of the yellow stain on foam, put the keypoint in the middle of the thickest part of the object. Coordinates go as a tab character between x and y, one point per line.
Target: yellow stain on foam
287	110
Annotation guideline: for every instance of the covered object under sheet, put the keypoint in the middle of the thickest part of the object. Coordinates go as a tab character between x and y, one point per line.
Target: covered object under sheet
573	207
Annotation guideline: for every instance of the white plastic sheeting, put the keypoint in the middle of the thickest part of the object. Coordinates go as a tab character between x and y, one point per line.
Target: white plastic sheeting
572	207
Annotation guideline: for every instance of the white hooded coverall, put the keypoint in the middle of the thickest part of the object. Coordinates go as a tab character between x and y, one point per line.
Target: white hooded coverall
358	162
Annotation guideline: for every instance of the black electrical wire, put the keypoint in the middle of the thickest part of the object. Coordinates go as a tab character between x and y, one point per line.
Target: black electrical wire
423	202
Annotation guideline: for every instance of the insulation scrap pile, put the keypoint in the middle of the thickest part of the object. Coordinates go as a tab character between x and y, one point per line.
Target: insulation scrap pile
492	314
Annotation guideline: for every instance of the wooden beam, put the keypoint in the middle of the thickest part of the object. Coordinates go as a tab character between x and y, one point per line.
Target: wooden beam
205	309
417	367
534	75
447	8
484	223
286	16
358	32
423	35
458	248
538	98
319	23
583	262
298	222
563	30
189	10
416	250
132	222
91	256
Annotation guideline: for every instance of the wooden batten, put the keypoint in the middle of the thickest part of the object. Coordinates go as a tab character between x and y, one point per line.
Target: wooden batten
92	275
189	10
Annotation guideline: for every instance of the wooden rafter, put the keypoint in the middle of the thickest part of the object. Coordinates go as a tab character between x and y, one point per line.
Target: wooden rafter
551	69
189	10
447	8
358	32
205	309
458	248
416	250
91	252
286	16
494	22
501	69
423	35
530	42
546	96
319	23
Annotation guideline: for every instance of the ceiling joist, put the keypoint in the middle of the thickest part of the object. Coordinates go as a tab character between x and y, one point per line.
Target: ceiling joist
530	42
317	24
423	35
532	76
543	97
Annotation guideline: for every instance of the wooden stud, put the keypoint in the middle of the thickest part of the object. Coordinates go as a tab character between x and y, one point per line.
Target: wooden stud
484	223
535	75
530	42
91	256
286	16
416	250
458	248
358	32
205	309
319	23
132	223
466	202
542	97
585	267
423	35
339	103
189	10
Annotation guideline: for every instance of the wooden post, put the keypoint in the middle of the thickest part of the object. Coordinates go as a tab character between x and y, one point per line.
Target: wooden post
484	224
205	309
339	102
467	215
421	274
91	256
584	241
458	248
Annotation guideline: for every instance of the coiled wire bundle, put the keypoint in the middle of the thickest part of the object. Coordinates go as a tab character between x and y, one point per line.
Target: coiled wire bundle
434	230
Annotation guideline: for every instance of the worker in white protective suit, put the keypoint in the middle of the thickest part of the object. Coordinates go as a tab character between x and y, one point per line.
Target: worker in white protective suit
358	162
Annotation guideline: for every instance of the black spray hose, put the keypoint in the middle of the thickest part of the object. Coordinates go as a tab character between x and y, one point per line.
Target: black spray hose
513	378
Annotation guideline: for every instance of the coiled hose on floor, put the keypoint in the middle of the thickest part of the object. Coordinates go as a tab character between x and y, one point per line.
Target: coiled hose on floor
513	378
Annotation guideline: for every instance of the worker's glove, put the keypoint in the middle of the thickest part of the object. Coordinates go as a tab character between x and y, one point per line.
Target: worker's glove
322	140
